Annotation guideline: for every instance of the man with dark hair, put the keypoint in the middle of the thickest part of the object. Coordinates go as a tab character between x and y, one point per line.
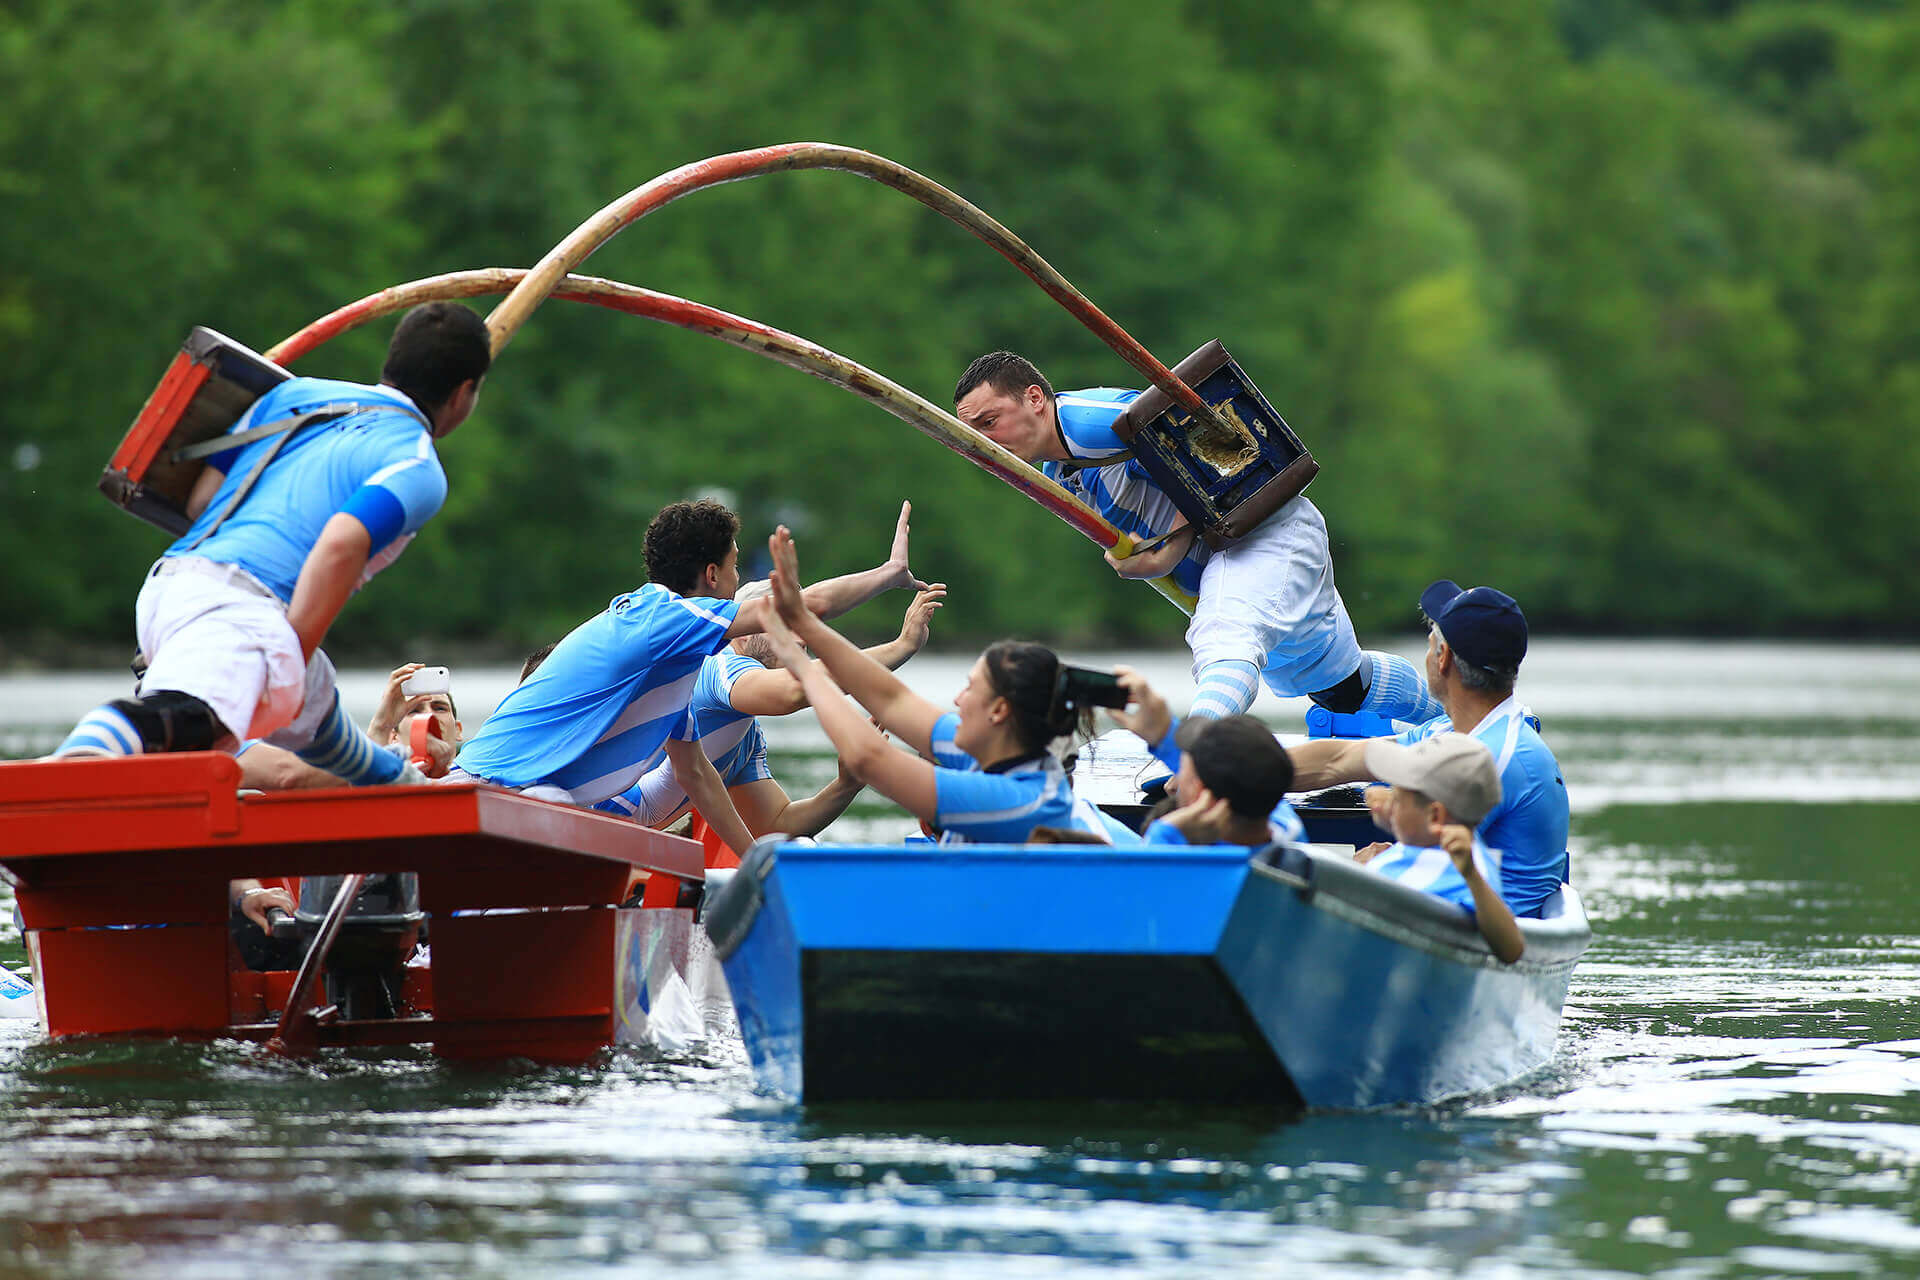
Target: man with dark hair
1268	609
286	527
684	539
612	698
1231	786
736	687
1476	639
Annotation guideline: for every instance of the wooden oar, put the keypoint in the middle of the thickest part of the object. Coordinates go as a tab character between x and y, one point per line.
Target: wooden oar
788	349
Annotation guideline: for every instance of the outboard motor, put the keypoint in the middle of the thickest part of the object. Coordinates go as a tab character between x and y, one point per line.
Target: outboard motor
368	962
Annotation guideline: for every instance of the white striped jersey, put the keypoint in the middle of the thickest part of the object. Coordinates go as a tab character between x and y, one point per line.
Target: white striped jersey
1432	869
598	711
1122	491
730	738
1003	807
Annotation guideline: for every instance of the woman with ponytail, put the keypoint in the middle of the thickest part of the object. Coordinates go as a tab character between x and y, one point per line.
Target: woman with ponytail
994	776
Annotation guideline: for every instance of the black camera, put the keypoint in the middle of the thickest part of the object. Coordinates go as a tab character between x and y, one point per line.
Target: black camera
1076	688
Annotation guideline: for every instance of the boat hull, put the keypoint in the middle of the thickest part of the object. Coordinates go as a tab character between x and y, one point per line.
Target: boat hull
1013	973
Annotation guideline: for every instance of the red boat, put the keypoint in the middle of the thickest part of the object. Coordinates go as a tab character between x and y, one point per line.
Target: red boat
121	871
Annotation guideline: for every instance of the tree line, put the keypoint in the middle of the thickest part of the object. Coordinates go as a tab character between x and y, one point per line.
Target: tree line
1612	303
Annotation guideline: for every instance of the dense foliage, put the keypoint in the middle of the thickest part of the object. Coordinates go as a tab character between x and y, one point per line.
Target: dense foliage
1614	303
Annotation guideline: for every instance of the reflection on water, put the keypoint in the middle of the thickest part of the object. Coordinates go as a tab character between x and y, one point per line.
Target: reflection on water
1736	1093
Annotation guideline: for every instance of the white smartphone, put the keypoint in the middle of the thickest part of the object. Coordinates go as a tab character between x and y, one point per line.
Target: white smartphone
426	680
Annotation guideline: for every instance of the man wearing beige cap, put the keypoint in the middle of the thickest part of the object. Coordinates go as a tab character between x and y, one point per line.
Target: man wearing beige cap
1442	787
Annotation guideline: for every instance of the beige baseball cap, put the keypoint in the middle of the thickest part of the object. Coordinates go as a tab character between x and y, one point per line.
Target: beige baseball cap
1453	768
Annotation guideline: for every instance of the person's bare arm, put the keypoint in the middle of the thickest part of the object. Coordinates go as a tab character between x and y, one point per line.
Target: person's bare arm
1328	762
204	487
864	751
765	805
330	574
393	704
1157	563
1149	719
709	795
255	900
899	710
778	692
835	596
1490	910
264	767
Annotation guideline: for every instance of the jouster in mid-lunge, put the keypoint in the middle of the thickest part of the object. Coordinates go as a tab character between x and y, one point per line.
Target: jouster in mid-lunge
231	618
1268	608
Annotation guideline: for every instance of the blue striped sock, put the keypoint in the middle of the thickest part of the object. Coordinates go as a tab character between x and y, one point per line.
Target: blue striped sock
1398	692
340	748
1226	688
102	731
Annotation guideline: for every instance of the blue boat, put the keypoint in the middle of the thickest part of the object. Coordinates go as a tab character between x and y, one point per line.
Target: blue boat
1293	977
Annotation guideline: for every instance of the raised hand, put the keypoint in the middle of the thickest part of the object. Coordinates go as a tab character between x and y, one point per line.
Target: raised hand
393	703
897	556
1149	717
1156	563
787	600
1458	842
917	626
786	646
1203	820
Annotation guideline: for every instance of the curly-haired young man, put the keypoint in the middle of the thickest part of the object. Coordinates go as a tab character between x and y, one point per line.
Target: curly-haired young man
611	700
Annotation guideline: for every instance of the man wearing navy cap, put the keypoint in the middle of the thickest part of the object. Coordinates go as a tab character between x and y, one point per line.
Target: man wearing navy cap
1476	638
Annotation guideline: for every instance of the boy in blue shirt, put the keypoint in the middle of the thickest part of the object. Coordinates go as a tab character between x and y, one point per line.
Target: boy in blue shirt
1444	786
1231	786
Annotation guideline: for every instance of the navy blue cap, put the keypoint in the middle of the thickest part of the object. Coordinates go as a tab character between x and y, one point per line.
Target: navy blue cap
1480	624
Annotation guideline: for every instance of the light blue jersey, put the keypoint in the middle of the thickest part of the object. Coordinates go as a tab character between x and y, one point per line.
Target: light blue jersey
1432	869
378	466
1529	825
1003	807
598	712
1122	491
730	738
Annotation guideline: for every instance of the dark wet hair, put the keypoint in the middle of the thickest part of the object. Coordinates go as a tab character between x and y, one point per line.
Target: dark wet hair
534	659
436	347
1003	371
685	538
1024	674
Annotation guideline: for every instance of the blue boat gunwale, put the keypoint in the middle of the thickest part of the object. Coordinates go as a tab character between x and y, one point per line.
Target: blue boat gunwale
1348	891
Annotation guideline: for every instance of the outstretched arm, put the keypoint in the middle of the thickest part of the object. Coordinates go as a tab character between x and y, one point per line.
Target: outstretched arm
835	596
1328	762
864	751
766	807
778	692
709	795
898	708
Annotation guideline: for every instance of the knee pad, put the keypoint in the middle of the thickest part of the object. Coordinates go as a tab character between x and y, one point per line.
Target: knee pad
1345	697
169	720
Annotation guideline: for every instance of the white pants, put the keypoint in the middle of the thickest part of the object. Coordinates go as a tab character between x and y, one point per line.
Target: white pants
215	635
1270	600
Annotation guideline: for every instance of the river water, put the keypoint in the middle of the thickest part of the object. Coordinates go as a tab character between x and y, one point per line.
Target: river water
1736	1090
